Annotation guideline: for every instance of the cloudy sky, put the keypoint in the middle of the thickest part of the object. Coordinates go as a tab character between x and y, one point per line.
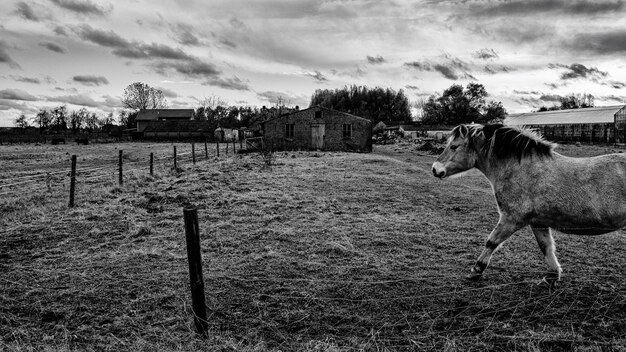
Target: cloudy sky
83	53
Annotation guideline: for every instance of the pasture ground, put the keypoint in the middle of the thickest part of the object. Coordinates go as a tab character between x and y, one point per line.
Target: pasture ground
317	252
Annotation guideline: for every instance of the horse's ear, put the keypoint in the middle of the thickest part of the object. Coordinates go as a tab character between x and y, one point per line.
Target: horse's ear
477	137
463	130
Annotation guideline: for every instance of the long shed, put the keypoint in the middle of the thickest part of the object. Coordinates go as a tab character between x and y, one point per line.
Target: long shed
319	128
605	124
147	116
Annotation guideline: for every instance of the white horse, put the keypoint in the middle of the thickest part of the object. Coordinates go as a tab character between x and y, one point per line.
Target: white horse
533	185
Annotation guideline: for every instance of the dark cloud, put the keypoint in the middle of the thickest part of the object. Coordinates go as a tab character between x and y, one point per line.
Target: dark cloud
5	58
410	87
60	31
234	83
163	58
25	108
551	98
526	92
77	99
83	7
609	42
451	68
90	80
576	71
184	34
375	59
228	43
615	98
494	69
190	68
53	47
16	94
485	54
25	11
108	39
615	84
518	8
151	51
26	79
318	76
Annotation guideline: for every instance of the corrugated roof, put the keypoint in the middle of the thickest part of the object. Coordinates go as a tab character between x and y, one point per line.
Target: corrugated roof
161	114
603	114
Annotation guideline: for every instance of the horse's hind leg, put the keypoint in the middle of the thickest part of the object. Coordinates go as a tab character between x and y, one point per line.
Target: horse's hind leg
503	230
546	244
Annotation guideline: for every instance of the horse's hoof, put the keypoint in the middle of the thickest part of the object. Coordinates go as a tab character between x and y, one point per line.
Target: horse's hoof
474	276
550	281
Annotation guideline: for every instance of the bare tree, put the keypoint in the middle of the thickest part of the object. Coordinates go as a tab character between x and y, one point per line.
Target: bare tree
43	118
141	96
21	121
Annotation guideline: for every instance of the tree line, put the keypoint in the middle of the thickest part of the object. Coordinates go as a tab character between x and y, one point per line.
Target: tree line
376	104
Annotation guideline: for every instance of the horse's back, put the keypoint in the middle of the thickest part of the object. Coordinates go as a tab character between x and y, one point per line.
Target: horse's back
575	195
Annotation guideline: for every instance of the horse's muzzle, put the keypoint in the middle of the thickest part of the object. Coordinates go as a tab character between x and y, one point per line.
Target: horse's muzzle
438	170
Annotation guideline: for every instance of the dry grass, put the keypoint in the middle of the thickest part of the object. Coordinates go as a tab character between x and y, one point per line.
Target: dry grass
320	252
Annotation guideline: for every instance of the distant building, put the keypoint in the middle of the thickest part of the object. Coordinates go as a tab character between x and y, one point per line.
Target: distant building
147	116
178	129
318	128
606	124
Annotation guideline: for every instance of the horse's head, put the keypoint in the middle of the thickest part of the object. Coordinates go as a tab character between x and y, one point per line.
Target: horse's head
461	152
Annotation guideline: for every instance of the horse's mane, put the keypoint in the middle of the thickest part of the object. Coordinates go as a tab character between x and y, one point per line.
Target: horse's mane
507	142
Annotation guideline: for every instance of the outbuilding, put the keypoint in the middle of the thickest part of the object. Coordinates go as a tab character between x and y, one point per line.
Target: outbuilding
606	124
147	116
318	128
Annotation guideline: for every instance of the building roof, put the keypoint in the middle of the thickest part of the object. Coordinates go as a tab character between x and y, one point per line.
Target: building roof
318	108
164	114
603	114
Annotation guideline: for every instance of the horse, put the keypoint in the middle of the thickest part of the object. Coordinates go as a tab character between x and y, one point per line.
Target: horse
535	186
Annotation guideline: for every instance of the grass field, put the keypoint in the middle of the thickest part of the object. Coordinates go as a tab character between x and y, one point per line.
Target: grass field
318	251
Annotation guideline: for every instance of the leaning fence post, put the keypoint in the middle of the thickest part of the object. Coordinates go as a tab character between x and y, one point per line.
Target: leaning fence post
175	166
121	179
72	181
193	152
151	164
194	255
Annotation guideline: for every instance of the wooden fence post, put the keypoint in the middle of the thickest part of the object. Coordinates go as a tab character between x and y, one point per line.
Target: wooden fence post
206	149
193	152
194	255
234	151
121	179
175	166
218	148
151	164
226	147
72	181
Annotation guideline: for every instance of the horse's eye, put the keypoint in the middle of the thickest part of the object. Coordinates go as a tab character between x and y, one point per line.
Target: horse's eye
453	147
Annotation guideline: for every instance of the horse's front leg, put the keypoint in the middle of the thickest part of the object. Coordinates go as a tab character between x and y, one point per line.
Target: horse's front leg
500	233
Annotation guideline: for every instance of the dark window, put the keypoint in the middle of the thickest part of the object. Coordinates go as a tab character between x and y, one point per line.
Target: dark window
318	114
289	130
347	130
